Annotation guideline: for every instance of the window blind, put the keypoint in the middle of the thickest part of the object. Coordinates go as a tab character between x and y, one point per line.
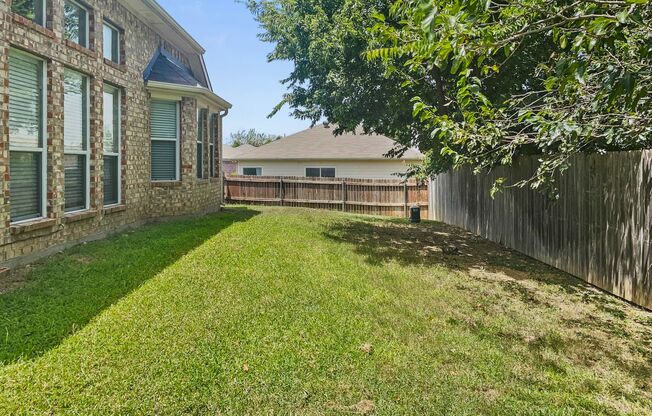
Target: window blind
165	132
75	182
25	100
75	140
111	178
25	185
25	136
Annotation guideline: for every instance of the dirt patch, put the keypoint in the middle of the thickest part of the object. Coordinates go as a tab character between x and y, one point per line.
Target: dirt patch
14	279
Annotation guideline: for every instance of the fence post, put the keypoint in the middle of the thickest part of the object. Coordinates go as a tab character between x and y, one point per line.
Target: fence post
343	196
281	191
405	195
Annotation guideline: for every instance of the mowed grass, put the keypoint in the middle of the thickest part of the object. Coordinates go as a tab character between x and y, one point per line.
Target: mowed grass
289	311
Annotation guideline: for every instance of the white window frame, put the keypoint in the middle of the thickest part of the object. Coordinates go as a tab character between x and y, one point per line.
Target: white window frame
87	33
305	171
119	154
200	173
212	142
118	40
251	167
177	140
43	149
86	152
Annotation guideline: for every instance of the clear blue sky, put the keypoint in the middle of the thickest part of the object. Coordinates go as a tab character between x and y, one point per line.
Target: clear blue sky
237	63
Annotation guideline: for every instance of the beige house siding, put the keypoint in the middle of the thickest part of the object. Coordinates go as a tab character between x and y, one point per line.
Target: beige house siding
370	169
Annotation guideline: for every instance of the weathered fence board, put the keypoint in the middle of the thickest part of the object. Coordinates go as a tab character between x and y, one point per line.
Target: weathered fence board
600	229
388	197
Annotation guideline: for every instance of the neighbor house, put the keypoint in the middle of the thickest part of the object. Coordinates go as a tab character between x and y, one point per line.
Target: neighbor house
230	156
109	121
317	152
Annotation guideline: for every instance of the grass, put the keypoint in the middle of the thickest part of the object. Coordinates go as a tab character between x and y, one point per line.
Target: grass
287	311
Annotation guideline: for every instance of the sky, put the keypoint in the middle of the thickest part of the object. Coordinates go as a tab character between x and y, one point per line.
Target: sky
237	63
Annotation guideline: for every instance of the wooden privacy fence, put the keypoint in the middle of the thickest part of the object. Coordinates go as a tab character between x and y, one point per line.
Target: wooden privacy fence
599	230
388	197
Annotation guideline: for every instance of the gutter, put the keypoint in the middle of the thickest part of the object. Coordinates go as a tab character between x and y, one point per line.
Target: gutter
162	13
190	91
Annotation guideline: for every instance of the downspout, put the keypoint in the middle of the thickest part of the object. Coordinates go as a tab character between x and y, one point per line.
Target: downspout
221	116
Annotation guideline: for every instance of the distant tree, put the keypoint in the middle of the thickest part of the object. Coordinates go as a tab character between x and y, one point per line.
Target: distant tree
252	138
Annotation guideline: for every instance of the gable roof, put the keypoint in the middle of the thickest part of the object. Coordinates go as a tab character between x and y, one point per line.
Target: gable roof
231	153
165	68
319	143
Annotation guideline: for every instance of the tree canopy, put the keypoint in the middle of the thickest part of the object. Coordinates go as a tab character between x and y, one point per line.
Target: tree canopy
472	82
252	138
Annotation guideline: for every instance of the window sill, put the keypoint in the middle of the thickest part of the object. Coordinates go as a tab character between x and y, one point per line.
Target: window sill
32	25
80	48
114	209
119	67
30	226
166	184
79	216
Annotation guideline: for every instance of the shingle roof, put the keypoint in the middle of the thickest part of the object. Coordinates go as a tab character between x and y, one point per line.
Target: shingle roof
165	68
231	153
319	143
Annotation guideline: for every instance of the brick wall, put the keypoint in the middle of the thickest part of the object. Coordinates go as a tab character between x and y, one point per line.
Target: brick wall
142	200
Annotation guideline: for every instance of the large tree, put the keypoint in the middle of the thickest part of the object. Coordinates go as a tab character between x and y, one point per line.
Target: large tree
472	82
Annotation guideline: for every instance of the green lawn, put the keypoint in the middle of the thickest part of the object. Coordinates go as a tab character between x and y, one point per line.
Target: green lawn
284	311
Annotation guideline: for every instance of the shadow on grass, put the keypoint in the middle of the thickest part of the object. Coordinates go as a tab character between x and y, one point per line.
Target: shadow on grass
437	244
63	293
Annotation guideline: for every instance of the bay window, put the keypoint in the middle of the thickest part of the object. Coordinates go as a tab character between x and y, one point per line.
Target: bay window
75	141
201	120
111	139
164	125
212	147
27	150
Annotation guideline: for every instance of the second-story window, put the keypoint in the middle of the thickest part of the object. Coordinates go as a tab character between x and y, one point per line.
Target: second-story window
111	40
75	23
31	9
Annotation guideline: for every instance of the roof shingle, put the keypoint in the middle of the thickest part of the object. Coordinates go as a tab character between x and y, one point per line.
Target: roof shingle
319	143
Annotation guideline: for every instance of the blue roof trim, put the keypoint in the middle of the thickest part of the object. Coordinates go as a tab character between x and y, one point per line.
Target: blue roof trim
166	68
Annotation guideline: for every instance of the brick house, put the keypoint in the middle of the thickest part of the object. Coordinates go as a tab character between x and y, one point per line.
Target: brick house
108	120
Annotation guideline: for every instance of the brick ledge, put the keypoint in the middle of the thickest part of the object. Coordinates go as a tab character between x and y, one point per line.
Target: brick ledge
167	184
32	25
79	216
114	209
32	226
80	48
119	67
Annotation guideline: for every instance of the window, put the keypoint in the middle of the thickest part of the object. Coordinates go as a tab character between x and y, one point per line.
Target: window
111	137
75	25
212	146
27	152
320	172
75	141
111	41
201	120
31	9
165	140
252	171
